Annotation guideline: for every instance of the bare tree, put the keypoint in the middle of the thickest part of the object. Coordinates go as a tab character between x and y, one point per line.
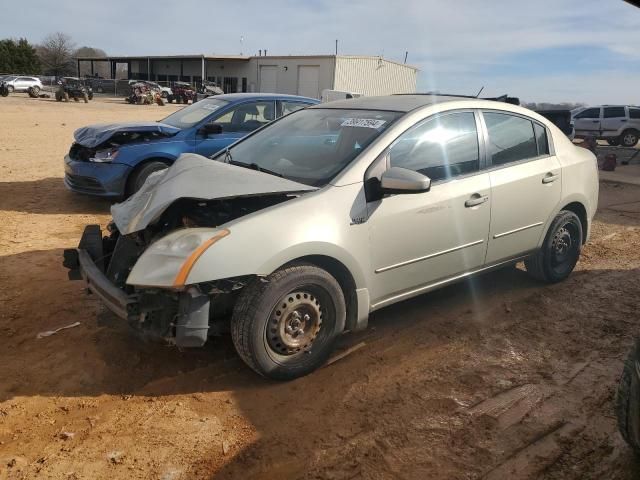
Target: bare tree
56	53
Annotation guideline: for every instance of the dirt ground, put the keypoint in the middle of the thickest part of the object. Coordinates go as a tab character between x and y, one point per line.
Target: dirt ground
497	378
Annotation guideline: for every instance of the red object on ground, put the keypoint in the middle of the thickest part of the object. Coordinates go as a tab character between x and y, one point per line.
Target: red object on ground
610	162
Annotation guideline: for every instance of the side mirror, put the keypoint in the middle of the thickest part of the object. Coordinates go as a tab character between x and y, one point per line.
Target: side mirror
402	180
210	129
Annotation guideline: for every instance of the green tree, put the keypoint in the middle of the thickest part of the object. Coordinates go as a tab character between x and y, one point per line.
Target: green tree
18	56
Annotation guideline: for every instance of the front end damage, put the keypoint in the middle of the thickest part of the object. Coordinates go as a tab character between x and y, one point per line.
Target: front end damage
175	312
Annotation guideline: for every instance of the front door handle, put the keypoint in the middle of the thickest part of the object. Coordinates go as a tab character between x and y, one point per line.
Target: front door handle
550	178
475	200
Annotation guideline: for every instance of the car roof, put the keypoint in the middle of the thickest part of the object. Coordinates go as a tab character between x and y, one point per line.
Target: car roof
394	103
408	102
235	97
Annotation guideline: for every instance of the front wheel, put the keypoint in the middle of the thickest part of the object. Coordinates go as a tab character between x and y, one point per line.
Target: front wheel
286	325
560	250
140	176
630	138
614	142
627	405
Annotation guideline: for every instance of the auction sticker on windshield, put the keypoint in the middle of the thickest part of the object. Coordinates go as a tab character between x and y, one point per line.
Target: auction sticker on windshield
363	122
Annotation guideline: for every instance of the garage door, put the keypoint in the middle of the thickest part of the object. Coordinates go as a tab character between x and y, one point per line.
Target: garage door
268	75
308	81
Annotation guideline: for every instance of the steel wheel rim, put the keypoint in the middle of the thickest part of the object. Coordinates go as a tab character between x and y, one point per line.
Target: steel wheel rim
294	323
564	247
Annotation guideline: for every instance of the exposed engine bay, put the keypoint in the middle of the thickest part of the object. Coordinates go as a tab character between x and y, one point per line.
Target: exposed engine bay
83	153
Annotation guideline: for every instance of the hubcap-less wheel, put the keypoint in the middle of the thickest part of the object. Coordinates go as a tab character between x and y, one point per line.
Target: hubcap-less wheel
630	139
565	246
294	323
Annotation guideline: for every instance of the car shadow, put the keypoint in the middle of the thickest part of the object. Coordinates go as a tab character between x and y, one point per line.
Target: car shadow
48	196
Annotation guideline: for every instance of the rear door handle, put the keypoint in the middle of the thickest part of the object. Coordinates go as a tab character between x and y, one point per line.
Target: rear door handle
550	178
475	200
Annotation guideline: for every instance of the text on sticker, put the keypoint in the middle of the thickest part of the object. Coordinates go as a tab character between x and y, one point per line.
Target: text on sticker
363	122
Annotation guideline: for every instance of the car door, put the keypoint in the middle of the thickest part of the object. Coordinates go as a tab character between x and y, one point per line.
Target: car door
614	121
419	239
234	124
21	83
587	122
525	183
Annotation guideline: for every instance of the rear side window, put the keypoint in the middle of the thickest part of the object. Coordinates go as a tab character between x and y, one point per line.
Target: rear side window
541	139
614	112
634	113
511	138
589	113
443	147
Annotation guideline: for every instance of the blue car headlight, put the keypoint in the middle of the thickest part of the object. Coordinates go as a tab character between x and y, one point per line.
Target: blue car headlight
104	156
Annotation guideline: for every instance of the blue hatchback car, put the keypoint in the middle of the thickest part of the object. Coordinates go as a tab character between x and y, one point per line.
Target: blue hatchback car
114	160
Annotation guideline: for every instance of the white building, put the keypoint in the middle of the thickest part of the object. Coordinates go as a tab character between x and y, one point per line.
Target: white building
296	75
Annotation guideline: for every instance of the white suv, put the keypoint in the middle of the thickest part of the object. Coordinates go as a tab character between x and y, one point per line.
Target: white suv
22	84
617	124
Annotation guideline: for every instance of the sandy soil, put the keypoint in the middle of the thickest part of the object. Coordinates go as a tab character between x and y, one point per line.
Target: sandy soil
497	378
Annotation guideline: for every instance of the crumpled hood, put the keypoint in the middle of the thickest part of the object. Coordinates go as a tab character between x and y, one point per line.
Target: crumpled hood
197	177
94	135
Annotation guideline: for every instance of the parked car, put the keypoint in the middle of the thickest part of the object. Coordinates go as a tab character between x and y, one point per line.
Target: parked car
296	233
114	160
627	405
22	83
617	124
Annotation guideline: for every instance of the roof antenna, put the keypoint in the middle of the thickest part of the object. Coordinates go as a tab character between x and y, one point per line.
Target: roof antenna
479	92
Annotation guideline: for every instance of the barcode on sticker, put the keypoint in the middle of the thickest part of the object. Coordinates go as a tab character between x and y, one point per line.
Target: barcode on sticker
363	122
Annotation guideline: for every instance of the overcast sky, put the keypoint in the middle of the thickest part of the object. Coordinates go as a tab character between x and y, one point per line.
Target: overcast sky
542	50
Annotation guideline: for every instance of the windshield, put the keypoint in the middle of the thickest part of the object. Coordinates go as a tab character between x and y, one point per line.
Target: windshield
311	146
194	113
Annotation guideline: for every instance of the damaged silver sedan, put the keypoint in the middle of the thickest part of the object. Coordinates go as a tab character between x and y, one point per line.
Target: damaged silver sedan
296	233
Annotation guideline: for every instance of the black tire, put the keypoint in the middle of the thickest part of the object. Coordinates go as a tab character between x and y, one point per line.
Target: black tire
10	88
560	250
90	95
169	98
85	98
629	138
34	91
259	323
614	142
65	95
627	405
58	97
141	174
178	99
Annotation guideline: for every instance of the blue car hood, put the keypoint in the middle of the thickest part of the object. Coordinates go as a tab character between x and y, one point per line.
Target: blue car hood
95	135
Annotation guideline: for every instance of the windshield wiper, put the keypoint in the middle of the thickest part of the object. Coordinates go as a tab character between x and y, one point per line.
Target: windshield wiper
252	166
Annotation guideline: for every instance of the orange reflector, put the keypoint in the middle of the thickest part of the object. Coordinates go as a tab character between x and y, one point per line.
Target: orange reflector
181	278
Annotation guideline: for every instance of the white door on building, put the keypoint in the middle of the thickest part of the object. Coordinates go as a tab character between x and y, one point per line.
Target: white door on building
309	81
268	76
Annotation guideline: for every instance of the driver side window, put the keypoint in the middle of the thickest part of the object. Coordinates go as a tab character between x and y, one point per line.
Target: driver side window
247	117
440	148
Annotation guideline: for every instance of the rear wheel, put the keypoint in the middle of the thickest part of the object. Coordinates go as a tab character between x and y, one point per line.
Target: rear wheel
287	326
627	404
10	88
629	138
560	250
140	176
